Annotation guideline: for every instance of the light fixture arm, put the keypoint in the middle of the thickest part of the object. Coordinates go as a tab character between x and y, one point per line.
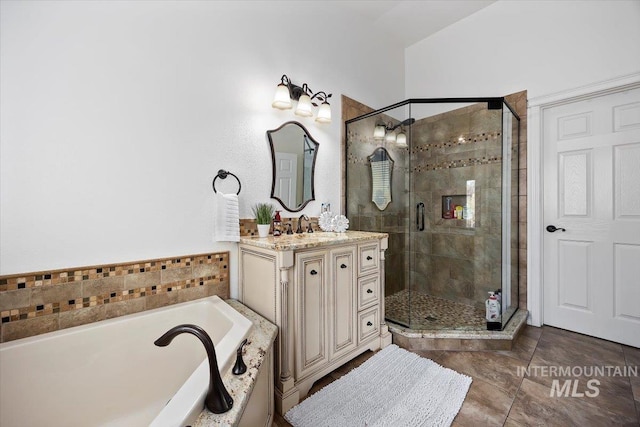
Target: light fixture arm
295	91
407	122
321	96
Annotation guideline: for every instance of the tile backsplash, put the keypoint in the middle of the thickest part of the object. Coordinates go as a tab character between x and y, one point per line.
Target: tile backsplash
249	227
40	302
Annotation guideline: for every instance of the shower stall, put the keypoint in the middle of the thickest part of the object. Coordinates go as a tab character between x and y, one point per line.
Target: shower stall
440	176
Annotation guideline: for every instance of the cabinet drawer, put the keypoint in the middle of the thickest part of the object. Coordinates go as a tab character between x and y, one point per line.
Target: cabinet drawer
368	324
368	290
368	258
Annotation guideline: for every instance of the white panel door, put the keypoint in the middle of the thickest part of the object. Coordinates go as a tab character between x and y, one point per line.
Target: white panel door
592	190
286	178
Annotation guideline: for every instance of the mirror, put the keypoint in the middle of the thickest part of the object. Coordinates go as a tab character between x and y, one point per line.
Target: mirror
293	158
381	169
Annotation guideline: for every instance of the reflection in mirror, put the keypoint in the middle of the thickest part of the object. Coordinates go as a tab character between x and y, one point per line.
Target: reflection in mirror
381	169
293	157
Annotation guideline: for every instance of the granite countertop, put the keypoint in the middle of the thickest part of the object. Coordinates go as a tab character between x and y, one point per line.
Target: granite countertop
259	342
309	240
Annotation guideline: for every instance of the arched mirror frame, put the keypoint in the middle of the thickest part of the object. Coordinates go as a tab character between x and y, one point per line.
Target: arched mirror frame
273	166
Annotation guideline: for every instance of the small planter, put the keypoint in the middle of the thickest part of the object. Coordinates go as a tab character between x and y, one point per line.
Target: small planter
263	230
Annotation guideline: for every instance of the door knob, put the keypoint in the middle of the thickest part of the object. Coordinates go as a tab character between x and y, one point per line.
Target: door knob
553	229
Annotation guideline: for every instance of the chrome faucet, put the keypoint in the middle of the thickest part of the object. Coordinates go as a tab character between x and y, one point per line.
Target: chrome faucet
309	228
218	399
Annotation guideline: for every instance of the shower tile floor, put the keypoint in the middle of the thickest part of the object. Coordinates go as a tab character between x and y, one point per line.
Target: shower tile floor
433	313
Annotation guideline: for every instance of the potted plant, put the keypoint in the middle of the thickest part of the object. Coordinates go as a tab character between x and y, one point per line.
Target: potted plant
263	213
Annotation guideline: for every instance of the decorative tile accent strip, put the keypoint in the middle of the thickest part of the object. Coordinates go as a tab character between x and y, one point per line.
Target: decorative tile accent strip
458	140
248	227
32	295
457	164
422	148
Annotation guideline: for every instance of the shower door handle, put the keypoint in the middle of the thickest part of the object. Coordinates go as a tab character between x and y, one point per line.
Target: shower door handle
420	216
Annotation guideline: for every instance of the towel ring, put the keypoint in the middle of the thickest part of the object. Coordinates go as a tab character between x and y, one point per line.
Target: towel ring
222	174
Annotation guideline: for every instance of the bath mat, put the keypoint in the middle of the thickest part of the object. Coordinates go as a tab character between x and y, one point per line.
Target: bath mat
393	388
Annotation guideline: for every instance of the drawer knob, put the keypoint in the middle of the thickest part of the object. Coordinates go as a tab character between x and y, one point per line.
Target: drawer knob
313	272
343	266
369	258
369	291
369	324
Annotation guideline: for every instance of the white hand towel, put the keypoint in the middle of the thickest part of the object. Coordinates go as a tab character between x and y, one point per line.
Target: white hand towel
227	219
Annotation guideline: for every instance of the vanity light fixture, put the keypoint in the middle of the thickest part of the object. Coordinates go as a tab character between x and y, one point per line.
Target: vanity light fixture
386	132
286	92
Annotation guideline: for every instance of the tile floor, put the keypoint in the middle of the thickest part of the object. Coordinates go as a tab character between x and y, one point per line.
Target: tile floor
500	395
429	312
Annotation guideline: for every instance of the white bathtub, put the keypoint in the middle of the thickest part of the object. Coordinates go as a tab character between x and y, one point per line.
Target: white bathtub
110	373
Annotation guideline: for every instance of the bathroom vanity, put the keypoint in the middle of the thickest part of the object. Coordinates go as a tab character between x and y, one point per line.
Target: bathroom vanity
324	291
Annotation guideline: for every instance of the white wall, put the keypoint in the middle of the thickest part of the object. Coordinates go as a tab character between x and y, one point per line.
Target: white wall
115	117
541	46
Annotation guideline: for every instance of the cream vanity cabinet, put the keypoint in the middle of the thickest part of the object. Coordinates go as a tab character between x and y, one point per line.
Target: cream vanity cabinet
324	292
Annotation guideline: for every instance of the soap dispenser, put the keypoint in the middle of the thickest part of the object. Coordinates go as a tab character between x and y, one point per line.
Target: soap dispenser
277	225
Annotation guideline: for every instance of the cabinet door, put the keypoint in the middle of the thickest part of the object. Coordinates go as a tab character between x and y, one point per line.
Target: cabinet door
342	301
311	321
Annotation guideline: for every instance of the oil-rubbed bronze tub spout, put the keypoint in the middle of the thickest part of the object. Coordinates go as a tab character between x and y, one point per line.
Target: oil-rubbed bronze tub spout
218	399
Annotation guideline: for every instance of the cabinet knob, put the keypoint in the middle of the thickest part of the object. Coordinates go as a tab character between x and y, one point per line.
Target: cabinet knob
369	258
313	272
369	291
369	324
343	266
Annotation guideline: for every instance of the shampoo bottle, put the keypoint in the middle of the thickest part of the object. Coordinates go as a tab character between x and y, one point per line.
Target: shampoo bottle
492	306
277	225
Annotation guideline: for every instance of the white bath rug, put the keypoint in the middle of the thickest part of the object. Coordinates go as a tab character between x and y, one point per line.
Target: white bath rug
393	388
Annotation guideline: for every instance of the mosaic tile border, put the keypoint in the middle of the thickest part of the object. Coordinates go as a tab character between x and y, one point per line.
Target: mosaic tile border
49	295
70	275
249	227
32	311
457	164
452	141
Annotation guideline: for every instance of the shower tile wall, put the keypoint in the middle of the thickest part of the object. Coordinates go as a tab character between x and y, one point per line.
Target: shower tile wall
457	259
363	214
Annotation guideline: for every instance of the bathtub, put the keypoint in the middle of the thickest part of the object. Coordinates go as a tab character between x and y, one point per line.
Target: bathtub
110	373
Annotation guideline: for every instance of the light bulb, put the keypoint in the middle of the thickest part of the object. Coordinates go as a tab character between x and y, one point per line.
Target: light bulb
401	139
281	100
390	137
304	106
378	132
324	113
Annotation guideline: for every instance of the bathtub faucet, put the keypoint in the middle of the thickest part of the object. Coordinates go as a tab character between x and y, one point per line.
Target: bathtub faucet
218	399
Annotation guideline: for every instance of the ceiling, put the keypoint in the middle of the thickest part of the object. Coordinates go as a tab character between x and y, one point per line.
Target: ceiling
409	21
